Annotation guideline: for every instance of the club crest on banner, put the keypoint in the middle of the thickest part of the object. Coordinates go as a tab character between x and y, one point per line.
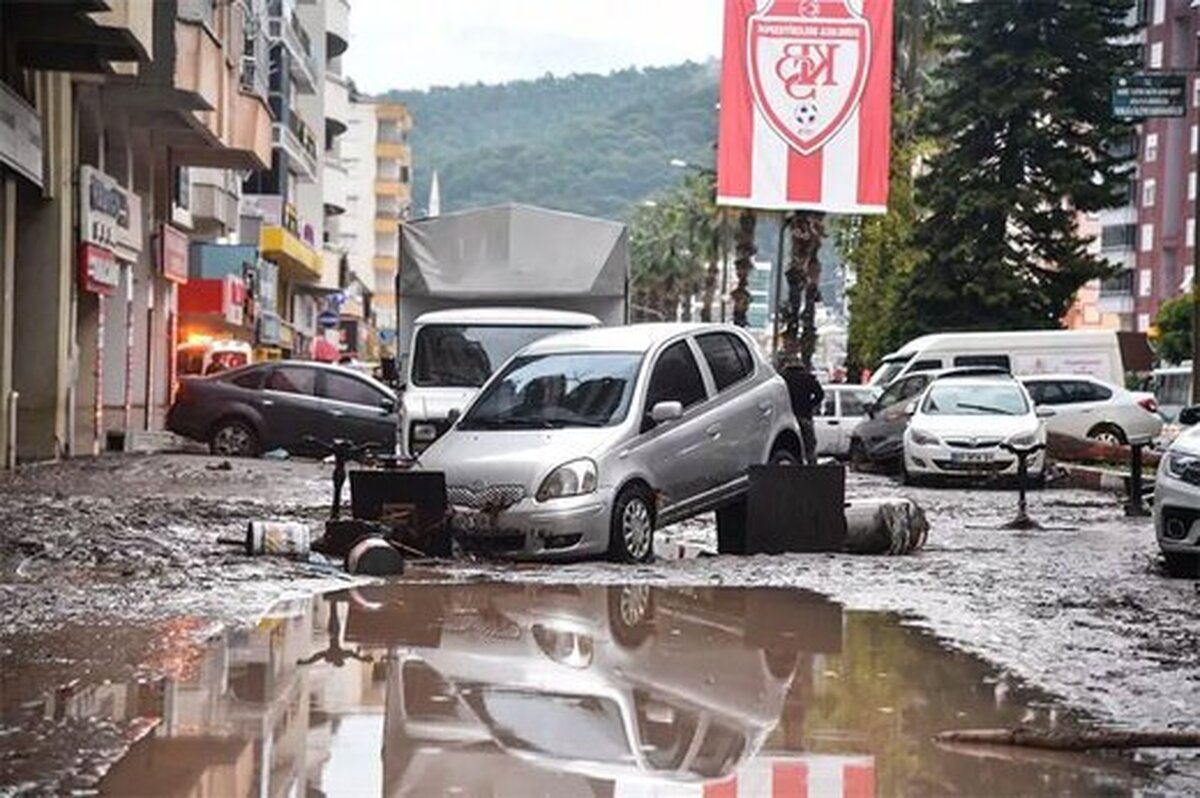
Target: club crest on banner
807	61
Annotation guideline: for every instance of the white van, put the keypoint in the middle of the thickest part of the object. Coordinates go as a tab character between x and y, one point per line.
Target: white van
453	354
1093	352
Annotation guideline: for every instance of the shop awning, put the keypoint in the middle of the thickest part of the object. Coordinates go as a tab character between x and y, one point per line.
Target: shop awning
296	259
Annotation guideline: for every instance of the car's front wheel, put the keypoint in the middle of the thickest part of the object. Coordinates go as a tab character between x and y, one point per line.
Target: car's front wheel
631	534
1109	434
233	437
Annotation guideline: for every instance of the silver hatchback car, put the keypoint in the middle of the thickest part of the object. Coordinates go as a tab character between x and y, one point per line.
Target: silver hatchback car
585	442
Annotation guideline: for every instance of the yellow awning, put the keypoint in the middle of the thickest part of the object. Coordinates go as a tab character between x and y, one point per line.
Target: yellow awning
279	245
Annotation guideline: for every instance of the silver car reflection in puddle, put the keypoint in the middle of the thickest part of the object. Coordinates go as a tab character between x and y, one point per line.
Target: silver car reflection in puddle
586	442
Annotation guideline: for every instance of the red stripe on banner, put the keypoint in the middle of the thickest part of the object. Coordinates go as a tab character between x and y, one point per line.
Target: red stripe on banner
858	781
789	780
804	176
721	789
875	110
735	138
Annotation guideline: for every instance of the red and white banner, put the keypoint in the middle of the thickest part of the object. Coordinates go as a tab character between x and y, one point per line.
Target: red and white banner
776	776
806	105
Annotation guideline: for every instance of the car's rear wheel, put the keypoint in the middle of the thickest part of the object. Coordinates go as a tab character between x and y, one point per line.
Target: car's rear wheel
1110	434
631	532
233	437
782	454
1182	565
630	614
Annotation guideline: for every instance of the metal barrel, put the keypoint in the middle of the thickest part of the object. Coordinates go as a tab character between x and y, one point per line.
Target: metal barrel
374	556
278	538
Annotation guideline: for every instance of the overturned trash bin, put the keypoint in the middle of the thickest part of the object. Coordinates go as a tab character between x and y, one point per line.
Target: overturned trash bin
885	526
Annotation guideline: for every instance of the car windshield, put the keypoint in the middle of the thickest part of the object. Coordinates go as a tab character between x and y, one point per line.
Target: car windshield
974	399
578	389
889	370
561	726
464	356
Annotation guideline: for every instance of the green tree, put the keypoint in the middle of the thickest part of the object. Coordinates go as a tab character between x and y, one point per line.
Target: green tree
1174	322
672	246
1027	142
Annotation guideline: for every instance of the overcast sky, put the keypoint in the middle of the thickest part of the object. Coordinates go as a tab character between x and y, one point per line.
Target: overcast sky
413	44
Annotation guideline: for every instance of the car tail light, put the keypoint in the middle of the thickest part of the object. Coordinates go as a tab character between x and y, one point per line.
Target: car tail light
1149	404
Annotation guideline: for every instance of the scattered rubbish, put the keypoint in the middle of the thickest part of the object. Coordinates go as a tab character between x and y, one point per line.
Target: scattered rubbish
885	526
277	454
224	465
1023	736
375	557
282	538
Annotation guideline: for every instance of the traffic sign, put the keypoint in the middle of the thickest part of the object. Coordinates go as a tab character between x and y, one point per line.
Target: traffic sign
327	319
1144	96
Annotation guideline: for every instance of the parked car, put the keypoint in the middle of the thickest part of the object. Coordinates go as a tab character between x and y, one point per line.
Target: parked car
1086	407
844	408
1177	499
247	411
961	423
878	440
586	442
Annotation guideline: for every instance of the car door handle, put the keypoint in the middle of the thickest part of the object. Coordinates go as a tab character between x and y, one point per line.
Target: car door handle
833	422
337	413
713	431
266	402
767	408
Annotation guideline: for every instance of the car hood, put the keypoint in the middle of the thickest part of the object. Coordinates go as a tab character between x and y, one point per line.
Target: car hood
436	403
511	457
1188	441
976	426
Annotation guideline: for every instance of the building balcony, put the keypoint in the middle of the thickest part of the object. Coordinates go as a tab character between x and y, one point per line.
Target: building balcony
393	150
386	224
294	137
393	188
384	263
296	259
214	198
337	105
1116	294
335	186
285	28
337	27
394	112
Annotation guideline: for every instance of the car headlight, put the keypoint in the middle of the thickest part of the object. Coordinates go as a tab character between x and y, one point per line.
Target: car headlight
925	439
572	649
1023	441
575	478
1178	464
424	433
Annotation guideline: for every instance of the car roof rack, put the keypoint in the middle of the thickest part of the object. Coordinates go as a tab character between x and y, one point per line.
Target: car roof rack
973	371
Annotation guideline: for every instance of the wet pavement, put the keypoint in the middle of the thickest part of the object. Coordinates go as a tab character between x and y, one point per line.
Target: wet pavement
505	689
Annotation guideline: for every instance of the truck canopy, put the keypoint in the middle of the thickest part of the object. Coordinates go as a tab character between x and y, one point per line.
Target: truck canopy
514	255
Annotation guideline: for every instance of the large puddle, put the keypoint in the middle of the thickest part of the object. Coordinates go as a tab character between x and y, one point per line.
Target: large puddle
528	690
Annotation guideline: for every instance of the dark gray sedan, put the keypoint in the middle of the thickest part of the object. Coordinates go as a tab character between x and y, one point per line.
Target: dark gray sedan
267	406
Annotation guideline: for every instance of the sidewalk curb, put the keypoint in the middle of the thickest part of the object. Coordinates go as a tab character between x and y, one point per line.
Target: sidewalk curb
1097	478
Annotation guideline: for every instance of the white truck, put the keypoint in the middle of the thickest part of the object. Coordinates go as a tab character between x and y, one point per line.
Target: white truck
477	286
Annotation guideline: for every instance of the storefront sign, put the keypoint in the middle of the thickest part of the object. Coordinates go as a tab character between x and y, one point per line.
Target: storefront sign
268	330
173	254
110	215
99	272
1144	96
268	207
20	136
233	300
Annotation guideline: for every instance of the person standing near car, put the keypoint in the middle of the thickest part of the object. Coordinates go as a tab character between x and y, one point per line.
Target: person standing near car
806	394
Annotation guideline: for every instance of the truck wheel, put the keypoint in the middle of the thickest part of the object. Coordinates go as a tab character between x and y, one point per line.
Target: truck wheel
232	437
631	531
630	614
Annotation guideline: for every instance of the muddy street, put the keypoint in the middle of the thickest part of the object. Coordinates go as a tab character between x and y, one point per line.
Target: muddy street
125	614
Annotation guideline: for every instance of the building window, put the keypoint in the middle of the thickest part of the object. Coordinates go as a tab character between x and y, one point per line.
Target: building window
1151	147
1160	12
1118	236
1191	185
1156	55
1194	133
1191	233
1143	322
1146	239
1145	282
1149	189
403	174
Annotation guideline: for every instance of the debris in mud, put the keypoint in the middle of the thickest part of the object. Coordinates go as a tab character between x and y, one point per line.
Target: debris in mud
1025	737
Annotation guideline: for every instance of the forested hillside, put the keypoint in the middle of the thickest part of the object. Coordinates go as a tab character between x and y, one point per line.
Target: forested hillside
594	144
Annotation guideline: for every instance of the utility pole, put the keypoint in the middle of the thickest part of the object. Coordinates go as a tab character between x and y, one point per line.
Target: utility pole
1196	270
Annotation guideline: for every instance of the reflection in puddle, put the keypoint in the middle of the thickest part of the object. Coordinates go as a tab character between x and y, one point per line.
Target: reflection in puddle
413	689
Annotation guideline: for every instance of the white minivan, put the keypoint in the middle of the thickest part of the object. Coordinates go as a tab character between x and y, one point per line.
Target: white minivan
1093	352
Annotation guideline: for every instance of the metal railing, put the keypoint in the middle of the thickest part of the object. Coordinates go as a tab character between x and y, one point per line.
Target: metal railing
1121	285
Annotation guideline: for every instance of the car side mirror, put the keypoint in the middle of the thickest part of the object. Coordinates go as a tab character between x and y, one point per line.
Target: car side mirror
1044	412
910	409
453	416
666	411
1189	415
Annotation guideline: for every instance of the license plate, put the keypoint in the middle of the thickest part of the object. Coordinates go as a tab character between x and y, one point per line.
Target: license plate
972	457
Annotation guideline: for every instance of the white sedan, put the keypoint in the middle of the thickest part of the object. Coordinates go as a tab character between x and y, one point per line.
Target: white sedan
1085	407
843	409
961	424
1177	501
